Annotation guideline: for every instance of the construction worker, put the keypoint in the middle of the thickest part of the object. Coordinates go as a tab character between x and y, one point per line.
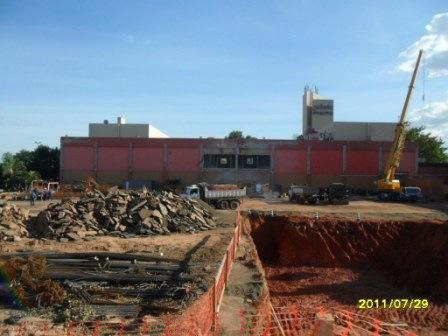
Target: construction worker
33	196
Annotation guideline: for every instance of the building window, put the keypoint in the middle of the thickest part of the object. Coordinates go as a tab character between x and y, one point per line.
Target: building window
264	161
219	161
254	161
244	161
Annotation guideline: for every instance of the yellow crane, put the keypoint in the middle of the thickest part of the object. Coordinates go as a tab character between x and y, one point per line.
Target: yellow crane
389	186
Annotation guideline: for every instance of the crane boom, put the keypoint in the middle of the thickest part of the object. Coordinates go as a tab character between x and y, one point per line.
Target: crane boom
389	183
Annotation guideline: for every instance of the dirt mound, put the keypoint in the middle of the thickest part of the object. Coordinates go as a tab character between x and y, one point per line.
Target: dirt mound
414	254
12	223
224	187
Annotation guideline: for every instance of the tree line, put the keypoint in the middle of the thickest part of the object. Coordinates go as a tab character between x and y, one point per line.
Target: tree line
19	169
430	148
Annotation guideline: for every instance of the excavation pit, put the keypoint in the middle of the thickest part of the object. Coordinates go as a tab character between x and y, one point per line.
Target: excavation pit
333	264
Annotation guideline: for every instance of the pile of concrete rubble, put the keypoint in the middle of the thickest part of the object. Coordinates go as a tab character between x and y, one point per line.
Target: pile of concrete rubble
12	223
121	213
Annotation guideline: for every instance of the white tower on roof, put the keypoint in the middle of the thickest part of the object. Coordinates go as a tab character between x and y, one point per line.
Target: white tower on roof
317	117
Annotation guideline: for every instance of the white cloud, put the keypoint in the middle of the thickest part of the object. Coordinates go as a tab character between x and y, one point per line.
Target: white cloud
434	117
435	46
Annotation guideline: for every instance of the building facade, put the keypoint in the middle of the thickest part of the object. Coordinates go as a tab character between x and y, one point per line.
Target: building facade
278	163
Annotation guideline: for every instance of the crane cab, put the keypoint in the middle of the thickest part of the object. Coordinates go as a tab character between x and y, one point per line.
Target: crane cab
388	189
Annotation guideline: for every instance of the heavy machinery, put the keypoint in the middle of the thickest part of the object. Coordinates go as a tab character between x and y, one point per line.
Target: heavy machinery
219	197
301	194
389	187
335	193
45	189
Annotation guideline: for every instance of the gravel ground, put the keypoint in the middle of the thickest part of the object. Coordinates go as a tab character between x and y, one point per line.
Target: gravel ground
367	209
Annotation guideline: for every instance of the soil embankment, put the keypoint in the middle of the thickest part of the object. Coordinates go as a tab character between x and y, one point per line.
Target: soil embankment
334	263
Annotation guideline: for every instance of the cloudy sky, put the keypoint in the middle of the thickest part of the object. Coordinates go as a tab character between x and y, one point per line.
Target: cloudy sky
434	41
204	68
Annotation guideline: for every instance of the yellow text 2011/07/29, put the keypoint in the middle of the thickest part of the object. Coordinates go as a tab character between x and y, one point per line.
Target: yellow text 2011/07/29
392	303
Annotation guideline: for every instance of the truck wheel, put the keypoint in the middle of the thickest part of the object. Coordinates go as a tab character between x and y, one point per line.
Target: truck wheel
312	200
234	205
223	205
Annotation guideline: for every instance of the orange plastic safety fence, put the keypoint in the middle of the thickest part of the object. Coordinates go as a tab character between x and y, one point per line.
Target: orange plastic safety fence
284	321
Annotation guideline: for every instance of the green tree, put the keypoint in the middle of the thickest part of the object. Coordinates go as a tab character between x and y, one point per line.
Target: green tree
26	157
14	172
2	177
31	176
235	135
45	161
238	135
430	147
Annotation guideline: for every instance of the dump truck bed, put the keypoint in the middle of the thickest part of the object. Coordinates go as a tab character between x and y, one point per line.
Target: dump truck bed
224	193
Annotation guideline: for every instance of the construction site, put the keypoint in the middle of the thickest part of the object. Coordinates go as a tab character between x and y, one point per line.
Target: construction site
167	265
338	232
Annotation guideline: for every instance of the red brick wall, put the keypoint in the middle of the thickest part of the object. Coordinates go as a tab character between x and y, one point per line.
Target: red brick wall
361	162
290	161
148	159
326	162
183	157
113	158
77	158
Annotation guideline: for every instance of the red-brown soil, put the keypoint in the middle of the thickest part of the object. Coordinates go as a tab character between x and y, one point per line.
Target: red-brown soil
333	263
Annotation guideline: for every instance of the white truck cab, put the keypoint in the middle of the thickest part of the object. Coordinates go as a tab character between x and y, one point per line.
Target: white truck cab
192	191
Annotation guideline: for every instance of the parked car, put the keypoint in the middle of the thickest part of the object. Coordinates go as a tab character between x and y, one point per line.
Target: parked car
411	194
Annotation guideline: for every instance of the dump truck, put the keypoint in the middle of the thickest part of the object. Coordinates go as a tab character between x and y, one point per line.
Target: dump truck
219	197
335	193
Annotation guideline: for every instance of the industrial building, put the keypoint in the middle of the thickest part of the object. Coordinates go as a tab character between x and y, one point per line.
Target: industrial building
318	122
277	163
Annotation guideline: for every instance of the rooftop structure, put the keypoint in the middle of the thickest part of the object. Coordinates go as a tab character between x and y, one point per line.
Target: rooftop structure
319	124
124	130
